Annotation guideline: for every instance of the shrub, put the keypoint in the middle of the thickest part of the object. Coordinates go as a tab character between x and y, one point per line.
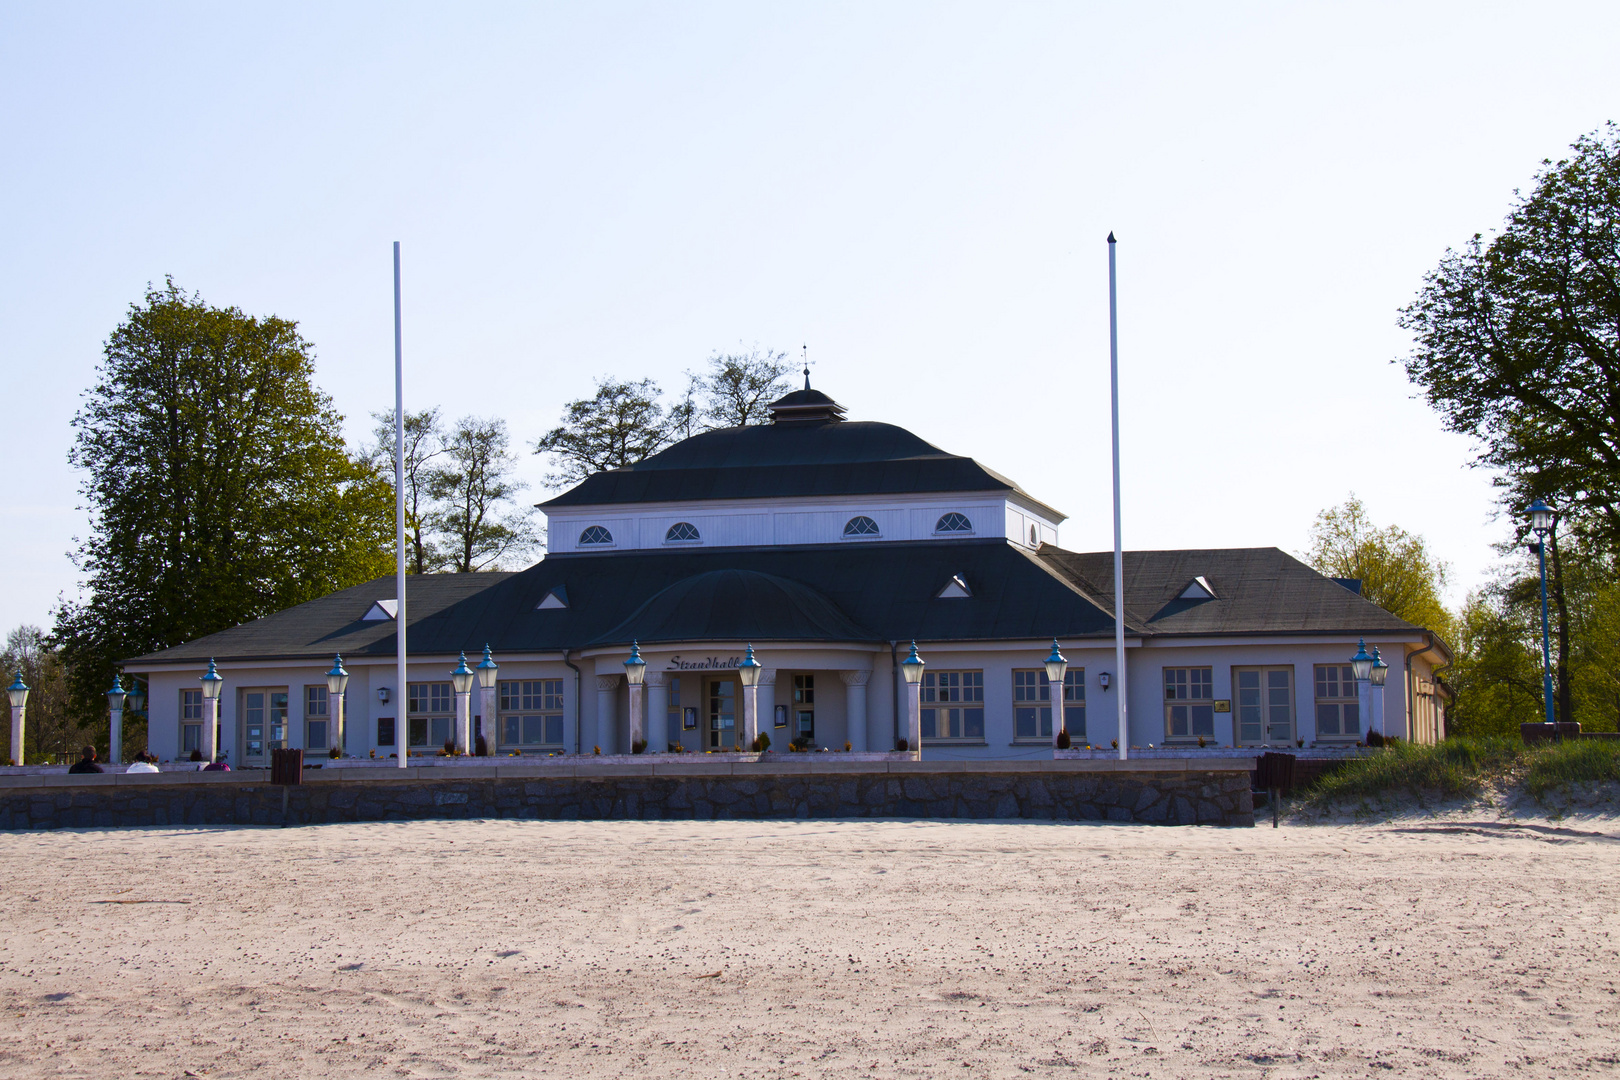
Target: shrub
762	743
848	746
639	746
1571	761
1063	741
1455	767
900	745
480	747
596	749
449	747
334	753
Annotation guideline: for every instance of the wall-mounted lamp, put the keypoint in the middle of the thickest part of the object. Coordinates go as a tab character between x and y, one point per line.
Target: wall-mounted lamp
382	694
1102	679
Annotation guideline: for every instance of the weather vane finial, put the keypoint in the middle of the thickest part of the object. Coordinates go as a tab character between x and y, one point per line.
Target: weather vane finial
806	349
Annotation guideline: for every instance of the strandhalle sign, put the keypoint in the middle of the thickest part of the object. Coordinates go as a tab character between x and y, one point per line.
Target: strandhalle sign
712	663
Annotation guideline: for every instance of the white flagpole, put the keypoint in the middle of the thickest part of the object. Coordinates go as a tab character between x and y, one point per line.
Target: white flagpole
1119	554
402	697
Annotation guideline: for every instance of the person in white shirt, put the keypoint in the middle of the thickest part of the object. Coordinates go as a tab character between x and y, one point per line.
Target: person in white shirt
143	763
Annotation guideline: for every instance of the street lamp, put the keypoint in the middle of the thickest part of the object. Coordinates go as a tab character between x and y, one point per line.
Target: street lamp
212	683
1541	520
1362	665
337	680
912	668
488	672
635	673
115	728
1379	673
19	700
749	671
462	678
1056	668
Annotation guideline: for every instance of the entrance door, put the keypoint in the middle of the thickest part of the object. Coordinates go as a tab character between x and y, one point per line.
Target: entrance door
1265	706
722	714
264	726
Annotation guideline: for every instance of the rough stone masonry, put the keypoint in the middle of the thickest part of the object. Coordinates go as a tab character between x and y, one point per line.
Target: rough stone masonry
1169	797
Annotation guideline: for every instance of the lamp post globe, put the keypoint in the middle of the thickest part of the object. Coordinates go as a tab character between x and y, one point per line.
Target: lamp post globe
136	701
115	696
1541	516
337	680
1380	670
635	668
1362	662
749	669
212	682
18	691
488	670
912	666
1056	665
462	676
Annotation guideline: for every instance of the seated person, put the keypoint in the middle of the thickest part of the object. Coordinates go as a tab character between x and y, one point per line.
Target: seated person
143	763
218	766
86	762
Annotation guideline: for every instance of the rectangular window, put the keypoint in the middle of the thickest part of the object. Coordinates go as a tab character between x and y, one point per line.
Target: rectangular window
531	714
1032	709
804	706
191	725
1189	702
953	705
385	731
315	717
1338	703
431	712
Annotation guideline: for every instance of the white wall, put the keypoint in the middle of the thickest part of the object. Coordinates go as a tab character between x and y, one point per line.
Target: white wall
762	522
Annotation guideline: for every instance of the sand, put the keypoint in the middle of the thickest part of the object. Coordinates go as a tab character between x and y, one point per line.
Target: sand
811	949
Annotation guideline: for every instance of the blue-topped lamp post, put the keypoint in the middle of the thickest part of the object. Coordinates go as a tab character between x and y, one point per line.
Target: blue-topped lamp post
912	668
635	673
337	681
1056	668
18	691
749	671
1541	519
461	677
1362	665
212	683
488	674
1377	676
115	725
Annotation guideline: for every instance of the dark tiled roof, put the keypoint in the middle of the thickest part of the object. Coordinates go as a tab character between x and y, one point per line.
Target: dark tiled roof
1259	590
872	592
805	458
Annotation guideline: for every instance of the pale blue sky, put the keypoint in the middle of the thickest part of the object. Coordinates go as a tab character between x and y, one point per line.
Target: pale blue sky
919	191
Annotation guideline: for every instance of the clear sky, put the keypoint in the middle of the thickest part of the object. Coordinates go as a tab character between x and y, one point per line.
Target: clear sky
918	191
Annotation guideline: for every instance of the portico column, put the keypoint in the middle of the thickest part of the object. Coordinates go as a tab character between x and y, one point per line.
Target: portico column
750	717
638	718
914	718
463	723
657	711
767	698
607	687
855	706
115	737
211	732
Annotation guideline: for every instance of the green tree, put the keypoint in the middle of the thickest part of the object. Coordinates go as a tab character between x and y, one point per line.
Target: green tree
50	732
474	511
1517	341
737	387
424	446
621	424
1394	566
218	486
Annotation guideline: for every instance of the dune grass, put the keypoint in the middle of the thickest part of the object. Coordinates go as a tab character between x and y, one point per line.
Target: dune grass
1461	767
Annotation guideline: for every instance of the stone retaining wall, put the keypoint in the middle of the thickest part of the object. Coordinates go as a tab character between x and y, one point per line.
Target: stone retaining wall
1063	791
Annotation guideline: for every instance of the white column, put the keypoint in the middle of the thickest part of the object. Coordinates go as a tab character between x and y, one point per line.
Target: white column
487	717
115	738
340	717
211	730
607	687
855	706
750	717
1054	697
657	712
463	723
1364	703
1377	695
914	717
17	733
638	722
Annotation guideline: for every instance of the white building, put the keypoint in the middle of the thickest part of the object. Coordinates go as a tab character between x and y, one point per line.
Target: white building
829	546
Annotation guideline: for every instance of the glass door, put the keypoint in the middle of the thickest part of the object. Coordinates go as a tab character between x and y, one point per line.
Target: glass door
1265	706
264	726
722	714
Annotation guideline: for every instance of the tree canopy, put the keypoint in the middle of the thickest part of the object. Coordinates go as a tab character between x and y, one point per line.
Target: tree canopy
1517	341
621	424
1394	566
218	485
475	516
737	386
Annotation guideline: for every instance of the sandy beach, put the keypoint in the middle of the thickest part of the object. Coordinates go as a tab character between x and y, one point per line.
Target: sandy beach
782	949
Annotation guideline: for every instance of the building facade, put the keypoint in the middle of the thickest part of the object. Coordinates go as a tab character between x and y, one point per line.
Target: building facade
829	546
